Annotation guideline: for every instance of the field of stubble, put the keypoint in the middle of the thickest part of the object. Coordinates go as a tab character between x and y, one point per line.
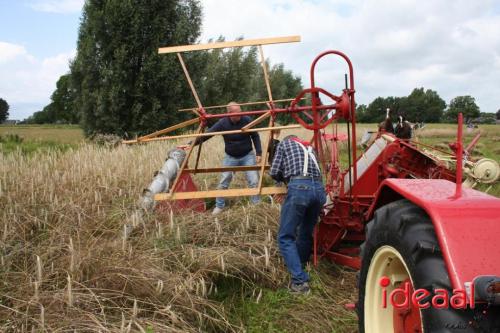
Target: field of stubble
66	262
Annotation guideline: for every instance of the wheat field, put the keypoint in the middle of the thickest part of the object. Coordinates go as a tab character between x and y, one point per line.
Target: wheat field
77	256
69	263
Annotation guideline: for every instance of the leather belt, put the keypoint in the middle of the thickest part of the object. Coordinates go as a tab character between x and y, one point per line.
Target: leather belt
305	177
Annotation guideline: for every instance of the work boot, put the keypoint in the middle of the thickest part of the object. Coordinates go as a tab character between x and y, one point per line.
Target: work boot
299	288
217	211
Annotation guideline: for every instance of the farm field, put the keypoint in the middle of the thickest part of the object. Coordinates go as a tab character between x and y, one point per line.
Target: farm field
30	138
68	261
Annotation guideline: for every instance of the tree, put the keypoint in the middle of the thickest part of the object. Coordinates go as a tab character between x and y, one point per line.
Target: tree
61	109
376	110
236	75
122	85
423	105
465	104
62	105
486	118
361	113
420	105
44	116
4	110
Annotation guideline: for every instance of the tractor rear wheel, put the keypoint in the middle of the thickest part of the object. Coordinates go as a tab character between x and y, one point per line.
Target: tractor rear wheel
401	248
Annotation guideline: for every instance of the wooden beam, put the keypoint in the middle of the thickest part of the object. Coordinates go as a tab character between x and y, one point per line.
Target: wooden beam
191	85
264	155
220	193
223	169
266	76
261	118
236	43
241	104
197	135
170	129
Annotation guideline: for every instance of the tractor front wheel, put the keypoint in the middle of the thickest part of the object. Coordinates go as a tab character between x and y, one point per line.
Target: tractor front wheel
401	251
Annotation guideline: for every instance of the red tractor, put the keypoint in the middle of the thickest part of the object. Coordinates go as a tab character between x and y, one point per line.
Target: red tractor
425	248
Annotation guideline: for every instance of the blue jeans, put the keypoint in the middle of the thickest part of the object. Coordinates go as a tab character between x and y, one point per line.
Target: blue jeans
299	215
227	177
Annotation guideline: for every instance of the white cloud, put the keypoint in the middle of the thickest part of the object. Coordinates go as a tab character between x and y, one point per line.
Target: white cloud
452	47
10	51
27	80
58	6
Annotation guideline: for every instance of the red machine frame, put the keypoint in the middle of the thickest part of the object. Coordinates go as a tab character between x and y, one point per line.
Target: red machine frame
400	170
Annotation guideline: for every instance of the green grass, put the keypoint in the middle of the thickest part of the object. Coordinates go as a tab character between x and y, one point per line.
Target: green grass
70	134
27	139
440	135
279	311
265	316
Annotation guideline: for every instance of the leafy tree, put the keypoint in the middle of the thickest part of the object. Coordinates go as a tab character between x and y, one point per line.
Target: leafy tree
44	116
376	110
486	118
122	85
423	105
498	114
61	109
62	105
361	113
465	104
236	75
420	105
4	110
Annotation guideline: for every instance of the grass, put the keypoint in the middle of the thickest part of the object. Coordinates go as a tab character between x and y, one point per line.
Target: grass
66	263
69	262
31	138
439	135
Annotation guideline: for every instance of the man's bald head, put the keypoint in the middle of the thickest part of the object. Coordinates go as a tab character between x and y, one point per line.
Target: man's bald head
234	107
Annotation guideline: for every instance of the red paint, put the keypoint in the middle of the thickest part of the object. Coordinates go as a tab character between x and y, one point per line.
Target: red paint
185	184
466	222
467	228
459	158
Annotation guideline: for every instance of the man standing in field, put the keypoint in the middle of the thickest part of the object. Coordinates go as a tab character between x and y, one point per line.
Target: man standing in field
238	151
295	163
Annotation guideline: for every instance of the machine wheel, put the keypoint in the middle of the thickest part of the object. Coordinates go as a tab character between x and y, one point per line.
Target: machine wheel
401	245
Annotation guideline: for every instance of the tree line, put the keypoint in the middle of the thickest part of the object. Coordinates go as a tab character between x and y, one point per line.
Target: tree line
118	83
422	106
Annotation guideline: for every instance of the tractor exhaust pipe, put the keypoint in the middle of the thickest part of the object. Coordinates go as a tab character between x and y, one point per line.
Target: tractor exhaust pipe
164	178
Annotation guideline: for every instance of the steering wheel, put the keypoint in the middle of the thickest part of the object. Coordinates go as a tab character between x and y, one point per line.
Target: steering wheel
317	108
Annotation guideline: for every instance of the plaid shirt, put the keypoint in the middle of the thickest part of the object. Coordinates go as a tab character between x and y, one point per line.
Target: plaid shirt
289	162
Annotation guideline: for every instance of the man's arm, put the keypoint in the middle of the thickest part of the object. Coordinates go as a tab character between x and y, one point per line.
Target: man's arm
256	142
217	127
276	171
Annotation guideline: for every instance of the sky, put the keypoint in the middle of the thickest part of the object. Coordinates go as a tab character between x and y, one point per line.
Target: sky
452	47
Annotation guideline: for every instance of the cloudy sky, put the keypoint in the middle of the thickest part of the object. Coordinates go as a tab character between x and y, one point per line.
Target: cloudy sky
450	46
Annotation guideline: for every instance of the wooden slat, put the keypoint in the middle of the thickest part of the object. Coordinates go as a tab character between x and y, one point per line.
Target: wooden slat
257	121
197	135
223	169
236	43
220	193
191	85
241	104
170	129
264	155
266	76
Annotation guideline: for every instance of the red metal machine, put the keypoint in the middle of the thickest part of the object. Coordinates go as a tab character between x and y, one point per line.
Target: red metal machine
396	213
